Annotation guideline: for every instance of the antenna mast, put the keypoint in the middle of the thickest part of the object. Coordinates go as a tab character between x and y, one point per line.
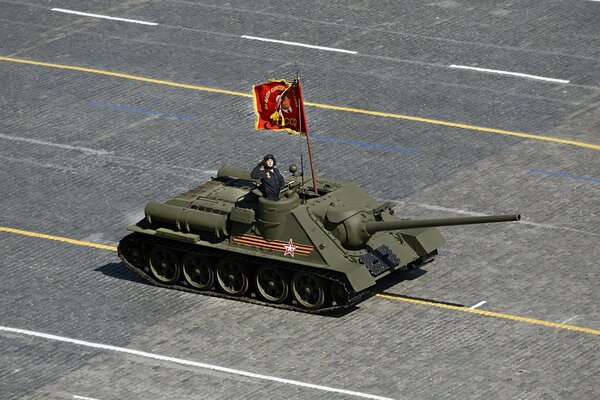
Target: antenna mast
310	157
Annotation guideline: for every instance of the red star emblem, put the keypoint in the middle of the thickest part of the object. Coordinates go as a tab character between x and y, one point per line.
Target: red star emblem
289	248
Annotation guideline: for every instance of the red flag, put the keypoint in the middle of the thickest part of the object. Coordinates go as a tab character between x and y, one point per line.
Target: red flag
278	106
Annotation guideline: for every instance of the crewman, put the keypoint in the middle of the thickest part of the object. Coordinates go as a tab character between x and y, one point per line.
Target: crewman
272	181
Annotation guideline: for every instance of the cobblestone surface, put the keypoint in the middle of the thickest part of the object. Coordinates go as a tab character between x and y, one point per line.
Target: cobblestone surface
96	151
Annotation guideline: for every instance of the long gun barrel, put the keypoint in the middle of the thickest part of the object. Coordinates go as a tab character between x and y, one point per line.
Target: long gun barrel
378	226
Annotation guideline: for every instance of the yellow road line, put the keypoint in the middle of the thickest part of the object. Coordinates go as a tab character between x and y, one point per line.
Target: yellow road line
493	314
126	76
457	125
57	238
317	105
387	296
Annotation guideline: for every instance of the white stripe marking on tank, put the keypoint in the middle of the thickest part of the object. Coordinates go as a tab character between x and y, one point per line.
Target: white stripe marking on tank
189	363
62	146
310	46
478	304
135	21
83	397
517	74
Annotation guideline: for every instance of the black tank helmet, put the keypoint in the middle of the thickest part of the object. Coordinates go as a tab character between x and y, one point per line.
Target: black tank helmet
269	156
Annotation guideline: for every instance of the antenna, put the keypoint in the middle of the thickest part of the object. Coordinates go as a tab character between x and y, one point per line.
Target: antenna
310	157
302	175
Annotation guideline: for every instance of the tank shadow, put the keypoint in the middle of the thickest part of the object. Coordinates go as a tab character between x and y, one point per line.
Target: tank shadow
396	278
381	286
392	280
118	270
341	312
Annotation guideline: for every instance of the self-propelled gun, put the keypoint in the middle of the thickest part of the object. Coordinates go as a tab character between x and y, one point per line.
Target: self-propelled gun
306	251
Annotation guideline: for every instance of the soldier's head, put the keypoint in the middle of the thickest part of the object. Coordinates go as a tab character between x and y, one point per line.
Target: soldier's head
269	161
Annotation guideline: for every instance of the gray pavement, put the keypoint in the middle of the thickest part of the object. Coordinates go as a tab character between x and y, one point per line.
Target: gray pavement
81	154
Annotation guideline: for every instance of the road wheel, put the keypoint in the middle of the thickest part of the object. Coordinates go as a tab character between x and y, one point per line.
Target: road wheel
271	284
232	277
164	265
198	271
309	290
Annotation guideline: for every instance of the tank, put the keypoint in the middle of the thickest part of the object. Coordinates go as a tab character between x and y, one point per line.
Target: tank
311	252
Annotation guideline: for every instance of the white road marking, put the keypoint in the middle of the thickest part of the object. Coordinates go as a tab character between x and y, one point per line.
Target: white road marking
518	74
572	318
310	46
135	21
477	214
83	398
548	226
478	304
61	146
190	363
440	208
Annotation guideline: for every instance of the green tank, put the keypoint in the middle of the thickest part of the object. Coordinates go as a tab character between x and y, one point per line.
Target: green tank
307	252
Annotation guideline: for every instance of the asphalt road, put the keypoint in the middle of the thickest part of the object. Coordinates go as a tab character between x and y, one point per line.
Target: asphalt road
82	149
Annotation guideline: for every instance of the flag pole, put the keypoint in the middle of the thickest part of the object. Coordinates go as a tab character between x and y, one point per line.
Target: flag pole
310	157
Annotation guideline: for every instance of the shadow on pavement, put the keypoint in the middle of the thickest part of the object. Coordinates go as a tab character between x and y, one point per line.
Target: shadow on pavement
119	271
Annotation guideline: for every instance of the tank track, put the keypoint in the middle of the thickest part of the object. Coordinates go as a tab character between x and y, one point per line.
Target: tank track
182	248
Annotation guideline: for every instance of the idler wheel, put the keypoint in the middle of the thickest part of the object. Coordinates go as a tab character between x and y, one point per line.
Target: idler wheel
339	294
232	277
272	284
309	290
164	265
198	271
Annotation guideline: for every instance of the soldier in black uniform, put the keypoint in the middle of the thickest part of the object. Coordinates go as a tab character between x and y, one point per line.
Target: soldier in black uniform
272	181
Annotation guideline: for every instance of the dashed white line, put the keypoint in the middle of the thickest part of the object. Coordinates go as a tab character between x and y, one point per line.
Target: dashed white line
135	21
190	363
463	212
310	46
61	146
440	208
572	318
478	304
518	74
83	397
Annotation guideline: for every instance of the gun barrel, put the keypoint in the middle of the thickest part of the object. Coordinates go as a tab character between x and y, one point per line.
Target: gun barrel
378	226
